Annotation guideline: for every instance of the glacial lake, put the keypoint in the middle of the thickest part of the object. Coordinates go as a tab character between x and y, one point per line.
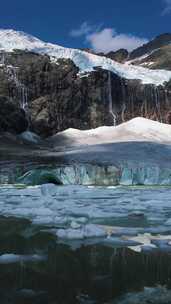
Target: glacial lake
78	244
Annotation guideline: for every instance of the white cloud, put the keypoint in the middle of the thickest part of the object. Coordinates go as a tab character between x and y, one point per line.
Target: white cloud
167	8
84	29
109	40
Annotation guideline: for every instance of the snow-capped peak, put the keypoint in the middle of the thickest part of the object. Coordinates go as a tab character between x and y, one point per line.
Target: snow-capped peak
11	40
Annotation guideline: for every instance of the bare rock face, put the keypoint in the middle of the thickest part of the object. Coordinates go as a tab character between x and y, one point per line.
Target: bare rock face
158	59
12	118
155	54
52	97
120	55
158	42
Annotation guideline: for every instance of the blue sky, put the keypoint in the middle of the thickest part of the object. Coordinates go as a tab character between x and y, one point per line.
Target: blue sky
102	25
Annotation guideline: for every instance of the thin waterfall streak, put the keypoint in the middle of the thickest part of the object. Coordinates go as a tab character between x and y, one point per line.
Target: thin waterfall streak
2	61
166	97
22	91
21	88
157	103
123	112
123	100
24	98
142	109
110	99
145	102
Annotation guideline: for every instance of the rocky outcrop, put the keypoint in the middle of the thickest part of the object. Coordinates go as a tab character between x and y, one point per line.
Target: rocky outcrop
120	55
12	117
158	42
156	54
53	97
158	59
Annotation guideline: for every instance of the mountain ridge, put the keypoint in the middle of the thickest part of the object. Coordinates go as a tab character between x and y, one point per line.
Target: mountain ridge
158	42
10	40
48	88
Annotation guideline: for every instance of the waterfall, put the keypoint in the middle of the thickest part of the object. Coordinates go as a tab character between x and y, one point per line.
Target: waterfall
2	61
123	100
24	98
145	102
131	101
12	74
21	88
157	102
110	99
166	97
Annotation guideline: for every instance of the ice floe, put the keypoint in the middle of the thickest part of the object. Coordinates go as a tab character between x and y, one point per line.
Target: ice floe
10	258
80	213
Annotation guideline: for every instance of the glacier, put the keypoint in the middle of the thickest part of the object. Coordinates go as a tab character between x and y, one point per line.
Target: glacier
99	175
11	40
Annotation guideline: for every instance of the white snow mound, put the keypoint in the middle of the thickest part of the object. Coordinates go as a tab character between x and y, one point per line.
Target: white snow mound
137	129
11	40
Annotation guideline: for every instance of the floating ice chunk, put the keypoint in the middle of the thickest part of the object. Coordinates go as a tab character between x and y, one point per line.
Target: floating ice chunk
10	258
151	242
156	295
121	231
30	137
43	220
116	241
168	222
147	248
70	234
74	225
87	231
158	230
48	189
91	230
137	214
164	245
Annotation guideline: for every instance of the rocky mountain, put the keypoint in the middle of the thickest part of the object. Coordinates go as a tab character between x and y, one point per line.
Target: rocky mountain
156	54
120	56
48	88
158	42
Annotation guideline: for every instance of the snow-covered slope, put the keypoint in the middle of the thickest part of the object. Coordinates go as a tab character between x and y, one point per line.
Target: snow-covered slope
137	129
10	40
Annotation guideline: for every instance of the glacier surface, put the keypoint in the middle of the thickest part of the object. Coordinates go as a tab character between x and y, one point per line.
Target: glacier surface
11	40
99	175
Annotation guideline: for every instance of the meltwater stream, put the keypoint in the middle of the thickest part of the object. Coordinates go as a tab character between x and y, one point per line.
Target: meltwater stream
76	244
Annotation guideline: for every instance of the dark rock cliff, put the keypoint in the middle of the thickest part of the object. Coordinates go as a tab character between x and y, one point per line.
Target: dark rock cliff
49	97
158	42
